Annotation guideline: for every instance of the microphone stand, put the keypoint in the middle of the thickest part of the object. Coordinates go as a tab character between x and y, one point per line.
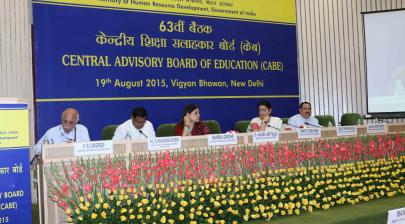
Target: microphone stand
313	125
141	132
270	126
292	125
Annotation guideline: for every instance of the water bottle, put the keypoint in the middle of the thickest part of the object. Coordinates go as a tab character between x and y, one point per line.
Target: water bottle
127	136
330	124
284	126
45	141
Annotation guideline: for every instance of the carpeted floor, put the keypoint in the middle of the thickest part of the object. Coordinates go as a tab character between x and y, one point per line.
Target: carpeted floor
372	212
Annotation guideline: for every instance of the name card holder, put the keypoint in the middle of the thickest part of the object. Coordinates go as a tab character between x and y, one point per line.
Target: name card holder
346	130
304	133
396	216
222	139
93	148
164	143
268	136
377	128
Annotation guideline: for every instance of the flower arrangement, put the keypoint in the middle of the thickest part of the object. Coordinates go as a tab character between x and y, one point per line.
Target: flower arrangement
232	184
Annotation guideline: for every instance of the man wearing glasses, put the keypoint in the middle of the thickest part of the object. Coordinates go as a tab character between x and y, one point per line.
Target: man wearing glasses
67	132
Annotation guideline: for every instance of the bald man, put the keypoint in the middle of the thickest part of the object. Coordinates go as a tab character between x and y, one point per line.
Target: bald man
68	131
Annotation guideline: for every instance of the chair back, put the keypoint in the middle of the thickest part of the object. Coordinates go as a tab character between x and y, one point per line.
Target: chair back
285	120
166	130
325	119
241	126
351	119
108	132
214	126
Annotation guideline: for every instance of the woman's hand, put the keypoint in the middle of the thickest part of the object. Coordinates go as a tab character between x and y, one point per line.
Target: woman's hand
186	120
266	119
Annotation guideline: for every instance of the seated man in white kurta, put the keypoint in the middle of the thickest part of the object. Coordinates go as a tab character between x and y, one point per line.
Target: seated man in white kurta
137	127
303	119
68	131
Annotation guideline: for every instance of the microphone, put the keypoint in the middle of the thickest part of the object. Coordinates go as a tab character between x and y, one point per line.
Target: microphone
34	160
141	132
293	125
270	126
313	125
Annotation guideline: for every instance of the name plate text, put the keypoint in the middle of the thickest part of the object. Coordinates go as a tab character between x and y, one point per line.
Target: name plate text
164	143
346	130
309	133
268	136
376	128
222	139
93	148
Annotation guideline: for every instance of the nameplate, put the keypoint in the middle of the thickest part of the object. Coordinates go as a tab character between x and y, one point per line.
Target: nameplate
222	139
164	143
396	216
346	130
93	148
309	133
376	128
267	136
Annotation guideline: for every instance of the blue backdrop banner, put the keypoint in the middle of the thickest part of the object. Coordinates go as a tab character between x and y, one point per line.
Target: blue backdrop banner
15	191
105	61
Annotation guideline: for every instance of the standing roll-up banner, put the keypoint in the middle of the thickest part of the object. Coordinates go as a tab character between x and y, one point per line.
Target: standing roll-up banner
15	193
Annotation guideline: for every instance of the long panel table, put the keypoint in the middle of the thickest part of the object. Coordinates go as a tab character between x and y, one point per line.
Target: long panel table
58	153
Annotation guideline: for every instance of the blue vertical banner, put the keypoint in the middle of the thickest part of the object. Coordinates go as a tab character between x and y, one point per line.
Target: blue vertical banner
15	191
224	56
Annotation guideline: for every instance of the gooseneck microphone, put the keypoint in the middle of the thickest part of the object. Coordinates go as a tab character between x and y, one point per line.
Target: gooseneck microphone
34	160
293	125
313	125
141	132
270	126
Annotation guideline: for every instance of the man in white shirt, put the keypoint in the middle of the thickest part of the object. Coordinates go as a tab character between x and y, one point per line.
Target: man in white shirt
135	128
303	119
68	131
